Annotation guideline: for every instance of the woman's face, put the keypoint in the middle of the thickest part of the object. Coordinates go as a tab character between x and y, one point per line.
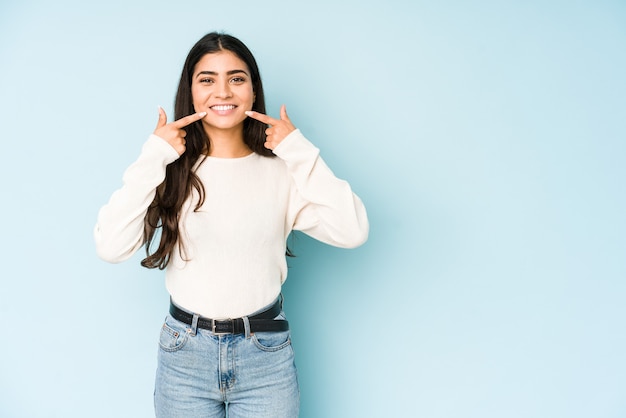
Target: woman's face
222	87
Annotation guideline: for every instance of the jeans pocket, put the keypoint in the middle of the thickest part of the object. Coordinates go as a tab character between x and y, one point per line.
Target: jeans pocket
271	341
172	337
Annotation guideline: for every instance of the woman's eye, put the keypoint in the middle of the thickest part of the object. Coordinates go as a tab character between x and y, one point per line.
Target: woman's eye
238	80
206	80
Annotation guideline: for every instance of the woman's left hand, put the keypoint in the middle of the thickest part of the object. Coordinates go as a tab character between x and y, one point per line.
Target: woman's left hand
278	129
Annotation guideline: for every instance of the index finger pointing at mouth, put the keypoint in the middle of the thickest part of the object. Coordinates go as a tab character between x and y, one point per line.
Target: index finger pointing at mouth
188	120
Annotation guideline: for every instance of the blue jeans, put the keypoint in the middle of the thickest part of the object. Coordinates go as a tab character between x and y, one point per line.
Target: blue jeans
201	374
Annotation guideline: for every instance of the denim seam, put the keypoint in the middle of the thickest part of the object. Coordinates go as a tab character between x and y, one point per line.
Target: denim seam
262	347
174	336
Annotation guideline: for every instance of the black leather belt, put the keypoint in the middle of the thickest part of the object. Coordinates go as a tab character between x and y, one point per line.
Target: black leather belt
261	322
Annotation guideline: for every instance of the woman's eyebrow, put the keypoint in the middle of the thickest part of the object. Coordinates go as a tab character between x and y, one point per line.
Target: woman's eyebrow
231	72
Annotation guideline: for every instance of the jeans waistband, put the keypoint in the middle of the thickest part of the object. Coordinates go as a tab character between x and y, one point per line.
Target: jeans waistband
260	322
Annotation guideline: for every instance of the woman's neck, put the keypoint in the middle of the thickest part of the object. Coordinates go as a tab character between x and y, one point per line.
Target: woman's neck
227	143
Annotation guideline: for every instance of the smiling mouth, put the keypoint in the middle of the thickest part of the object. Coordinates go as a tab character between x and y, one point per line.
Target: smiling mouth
222	108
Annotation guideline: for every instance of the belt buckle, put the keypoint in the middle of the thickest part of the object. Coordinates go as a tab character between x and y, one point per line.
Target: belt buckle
222	323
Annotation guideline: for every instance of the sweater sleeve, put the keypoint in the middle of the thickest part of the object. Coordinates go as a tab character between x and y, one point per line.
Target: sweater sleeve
322	206
119	229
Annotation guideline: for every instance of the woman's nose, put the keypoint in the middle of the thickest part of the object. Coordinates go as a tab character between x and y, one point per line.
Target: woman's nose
223	90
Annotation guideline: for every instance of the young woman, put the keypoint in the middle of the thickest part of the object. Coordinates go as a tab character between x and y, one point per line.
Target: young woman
213	197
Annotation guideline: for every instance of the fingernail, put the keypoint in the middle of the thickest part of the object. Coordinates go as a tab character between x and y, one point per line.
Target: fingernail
202	114
248	112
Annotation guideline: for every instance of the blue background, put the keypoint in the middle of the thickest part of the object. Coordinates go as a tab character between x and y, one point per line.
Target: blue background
486	138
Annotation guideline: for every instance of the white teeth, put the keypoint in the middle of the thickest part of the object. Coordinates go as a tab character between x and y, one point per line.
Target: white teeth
223	107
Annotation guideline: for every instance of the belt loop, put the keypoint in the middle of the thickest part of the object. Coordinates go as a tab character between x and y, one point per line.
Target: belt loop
194	325
246	326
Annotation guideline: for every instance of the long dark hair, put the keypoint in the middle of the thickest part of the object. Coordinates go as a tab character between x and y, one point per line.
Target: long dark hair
180	179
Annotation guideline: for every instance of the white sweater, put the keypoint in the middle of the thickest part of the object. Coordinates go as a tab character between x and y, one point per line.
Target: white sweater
233	261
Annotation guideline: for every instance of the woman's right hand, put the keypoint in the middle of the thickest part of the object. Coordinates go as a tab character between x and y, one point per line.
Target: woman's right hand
173	133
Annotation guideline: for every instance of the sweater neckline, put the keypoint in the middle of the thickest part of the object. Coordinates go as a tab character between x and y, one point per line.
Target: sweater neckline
222	160
226	159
